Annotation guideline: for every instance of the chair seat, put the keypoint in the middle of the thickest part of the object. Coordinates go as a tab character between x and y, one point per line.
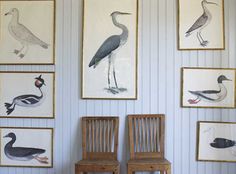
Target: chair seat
98	162
149	161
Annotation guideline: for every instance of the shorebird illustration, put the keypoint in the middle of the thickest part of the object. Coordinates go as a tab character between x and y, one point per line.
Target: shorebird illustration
23	153
22	34
28	100
109	48
201	23
211	95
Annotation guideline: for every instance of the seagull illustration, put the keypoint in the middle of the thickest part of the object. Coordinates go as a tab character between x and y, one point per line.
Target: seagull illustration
22	34
211	95
201	23
23	153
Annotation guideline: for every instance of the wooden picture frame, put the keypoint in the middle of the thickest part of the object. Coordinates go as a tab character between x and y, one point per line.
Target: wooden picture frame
27	94
27	32
201	25
26	147
216	141
208	87
109	60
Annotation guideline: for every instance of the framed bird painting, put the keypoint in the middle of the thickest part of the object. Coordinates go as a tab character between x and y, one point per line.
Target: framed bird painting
27	32
109	61
208	87
201	25
216	141
27	94
26	147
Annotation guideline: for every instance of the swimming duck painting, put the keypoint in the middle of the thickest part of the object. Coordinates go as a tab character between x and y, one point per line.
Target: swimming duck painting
28	100
23	153
211	95
22	34
222	143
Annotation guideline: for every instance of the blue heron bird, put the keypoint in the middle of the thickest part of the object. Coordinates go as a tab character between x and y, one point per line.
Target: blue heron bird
201	23
109	48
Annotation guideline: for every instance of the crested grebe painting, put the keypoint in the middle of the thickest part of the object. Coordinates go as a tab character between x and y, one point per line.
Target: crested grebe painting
27	94
216	141
31	147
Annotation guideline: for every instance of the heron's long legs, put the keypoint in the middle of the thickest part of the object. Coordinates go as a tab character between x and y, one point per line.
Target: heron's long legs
199	38
108	73
114	74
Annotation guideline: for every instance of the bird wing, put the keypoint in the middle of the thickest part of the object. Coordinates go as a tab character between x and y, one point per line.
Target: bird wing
28	99
24	151
199	23
203	94
24	34
109	45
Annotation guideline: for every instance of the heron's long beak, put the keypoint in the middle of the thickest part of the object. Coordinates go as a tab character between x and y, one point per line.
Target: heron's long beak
7	13
211	3
125	13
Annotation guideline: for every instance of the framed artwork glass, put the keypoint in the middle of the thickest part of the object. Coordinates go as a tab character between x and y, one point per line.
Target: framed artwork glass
208	87
27	94
109	61
26	147
27	32
216	141
201	25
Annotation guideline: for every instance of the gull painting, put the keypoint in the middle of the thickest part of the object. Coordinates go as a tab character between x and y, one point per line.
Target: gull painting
22	34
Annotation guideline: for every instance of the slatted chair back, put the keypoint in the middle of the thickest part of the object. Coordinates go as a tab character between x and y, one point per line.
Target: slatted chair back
146	136
100	137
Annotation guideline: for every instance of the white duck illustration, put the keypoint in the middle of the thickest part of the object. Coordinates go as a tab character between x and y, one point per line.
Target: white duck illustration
28	100
22	34
211	95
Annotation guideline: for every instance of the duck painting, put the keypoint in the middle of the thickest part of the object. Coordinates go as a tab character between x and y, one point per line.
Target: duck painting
222	143
28	100
23	153
211	95
22	34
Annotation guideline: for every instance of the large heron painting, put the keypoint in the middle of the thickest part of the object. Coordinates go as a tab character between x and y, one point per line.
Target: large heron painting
108	50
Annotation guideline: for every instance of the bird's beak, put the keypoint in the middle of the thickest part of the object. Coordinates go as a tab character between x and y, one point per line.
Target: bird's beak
5	136
211	3
7	13
228	79
126	13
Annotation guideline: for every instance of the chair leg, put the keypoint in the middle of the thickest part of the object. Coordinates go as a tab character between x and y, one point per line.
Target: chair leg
168	170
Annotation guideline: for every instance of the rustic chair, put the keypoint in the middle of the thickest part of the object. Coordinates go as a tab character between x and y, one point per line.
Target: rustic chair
99	144
146	138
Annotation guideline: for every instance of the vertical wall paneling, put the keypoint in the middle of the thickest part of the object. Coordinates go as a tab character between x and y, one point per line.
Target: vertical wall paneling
159	89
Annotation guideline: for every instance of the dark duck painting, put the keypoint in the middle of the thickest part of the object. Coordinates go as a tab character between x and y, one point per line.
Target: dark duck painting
23	153
222	143
28	100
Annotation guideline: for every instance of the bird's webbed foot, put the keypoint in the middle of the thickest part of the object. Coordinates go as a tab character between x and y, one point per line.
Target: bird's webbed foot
16	51
113	90
43	160
192	101
21	56
204	43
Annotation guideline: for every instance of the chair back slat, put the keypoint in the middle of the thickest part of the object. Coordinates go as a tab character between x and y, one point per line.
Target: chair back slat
146	136
100	137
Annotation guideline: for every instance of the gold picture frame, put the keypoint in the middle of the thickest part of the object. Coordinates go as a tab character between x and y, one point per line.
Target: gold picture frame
208	87
201	25
27	94
102	77
27	32
39	141
214	142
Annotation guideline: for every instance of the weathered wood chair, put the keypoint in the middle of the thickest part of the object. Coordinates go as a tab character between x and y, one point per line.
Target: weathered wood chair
146	138
99	144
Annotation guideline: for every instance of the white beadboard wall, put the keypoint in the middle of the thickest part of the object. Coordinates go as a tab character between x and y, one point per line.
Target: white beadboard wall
158	89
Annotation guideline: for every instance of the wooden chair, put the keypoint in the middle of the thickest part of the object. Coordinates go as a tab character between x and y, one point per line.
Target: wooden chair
99	144
146	138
